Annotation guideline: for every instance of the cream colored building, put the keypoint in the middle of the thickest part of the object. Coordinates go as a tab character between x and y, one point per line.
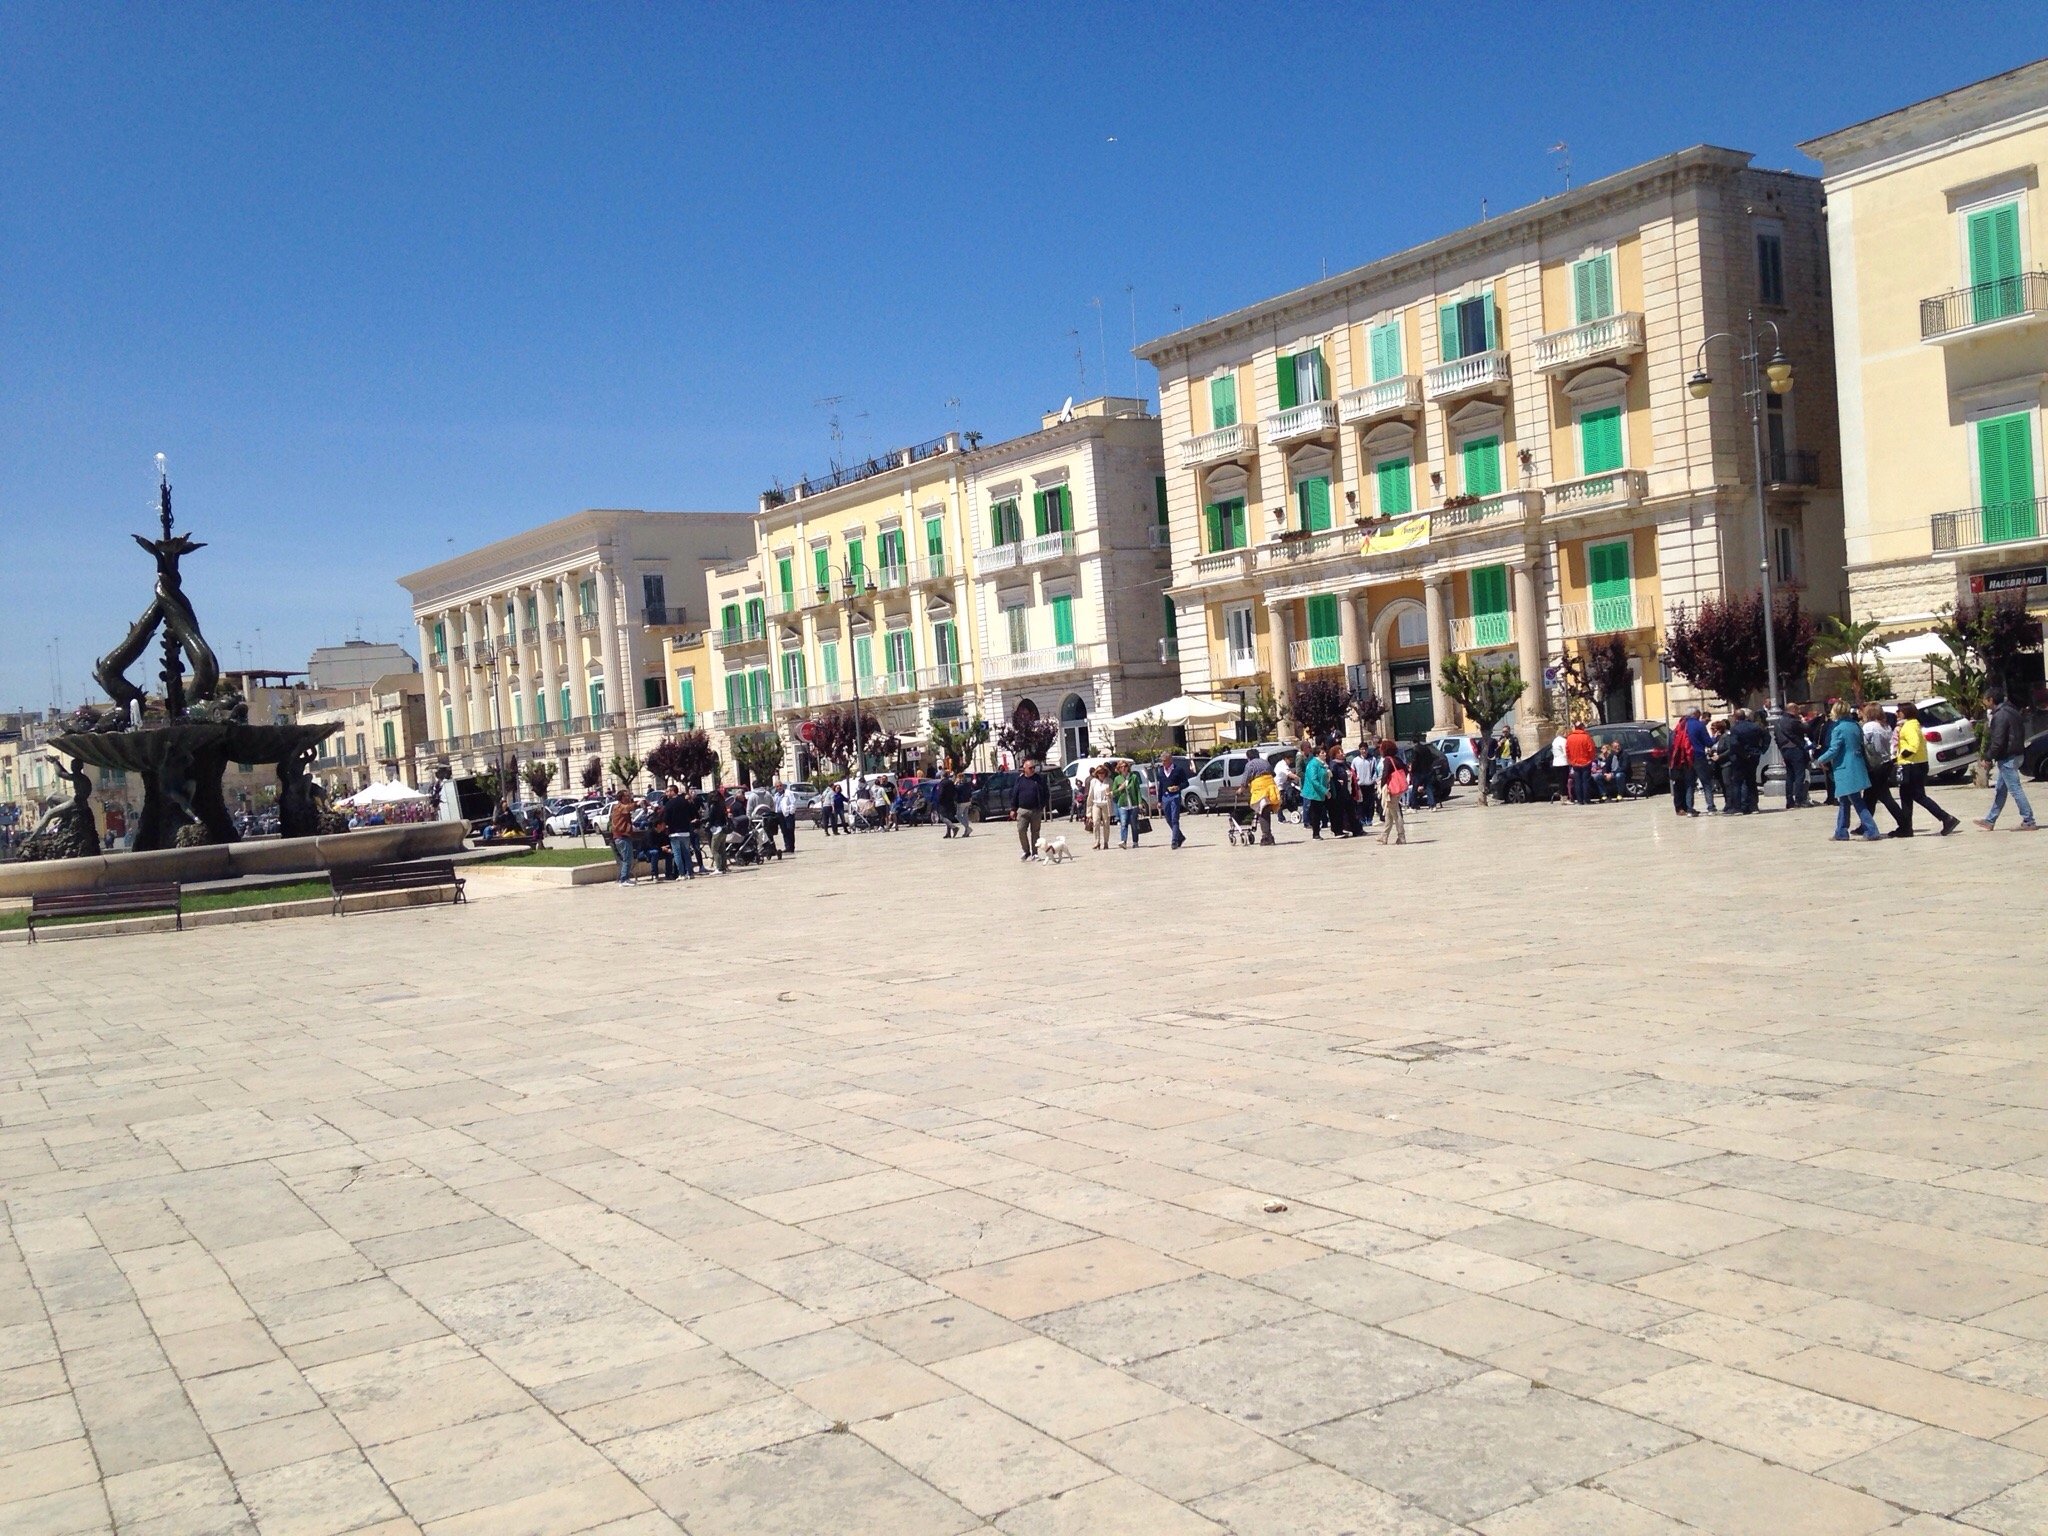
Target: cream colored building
1486	445
952	580
550	644
1938	229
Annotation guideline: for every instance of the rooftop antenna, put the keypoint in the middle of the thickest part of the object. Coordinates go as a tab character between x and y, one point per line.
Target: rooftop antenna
1131	293
1482	210
1080	358
1101	341
953	405
831	403
1563	151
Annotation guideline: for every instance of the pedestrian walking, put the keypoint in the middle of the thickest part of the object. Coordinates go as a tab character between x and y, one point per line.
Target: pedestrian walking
1788	730
715	813
1396	780
1752	741
1910	751
785	814
1098	809
1315	793
1365	772
1844	760
2004	741
1262	794
1343	801
1031	800
1578	755
680	817
946	800
1174	777
1704	770
1128	790
1285	781
620	832
1683	771
1878	753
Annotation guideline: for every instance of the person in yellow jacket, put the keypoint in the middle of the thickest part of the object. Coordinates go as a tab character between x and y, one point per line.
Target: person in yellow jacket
1911	747
1263	794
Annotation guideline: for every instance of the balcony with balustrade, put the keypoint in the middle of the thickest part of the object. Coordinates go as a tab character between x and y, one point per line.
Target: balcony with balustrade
556	629
740	637
663	616
946	675
586	623
1318	418
1992	527
1604	492
1502	510
1169	648
1967	313
1482	373
1220	446
1317	654
1047	660
1603	616
1046	546
1223	565
999	557
1483	631
1298	548
1398	396
1158	536
932	568
1610	339
891	578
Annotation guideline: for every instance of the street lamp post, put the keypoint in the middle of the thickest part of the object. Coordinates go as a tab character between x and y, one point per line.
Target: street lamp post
854	581
1759	375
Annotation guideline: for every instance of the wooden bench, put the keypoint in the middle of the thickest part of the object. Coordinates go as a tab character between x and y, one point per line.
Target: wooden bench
420	875
165	896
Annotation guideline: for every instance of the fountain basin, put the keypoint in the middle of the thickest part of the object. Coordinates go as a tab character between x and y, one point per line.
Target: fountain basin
229	861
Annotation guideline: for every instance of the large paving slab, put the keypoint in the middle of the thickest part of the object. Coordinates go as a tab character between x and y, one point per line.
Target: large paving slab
1565	1172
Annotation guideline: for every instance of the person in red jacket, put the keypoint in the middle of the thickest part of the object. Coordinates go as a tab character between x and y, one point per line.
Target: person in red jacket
1579	753
1681	771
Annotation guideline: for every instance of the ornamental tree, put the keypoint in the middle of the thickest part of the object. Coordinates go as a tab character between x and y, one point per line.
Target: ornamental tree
757	756
1718	647
1487	694
1028	735
1319	707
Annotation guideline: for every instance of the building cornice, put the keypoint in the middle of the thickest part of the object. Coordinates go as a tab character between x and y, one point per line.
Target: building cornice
591	529
1697	166
1936	123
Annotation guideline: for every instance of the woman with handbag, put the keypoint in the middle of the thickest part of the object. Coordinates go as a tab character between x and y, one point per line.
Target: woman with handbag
1395	774
1128	790
1099	804
1878	751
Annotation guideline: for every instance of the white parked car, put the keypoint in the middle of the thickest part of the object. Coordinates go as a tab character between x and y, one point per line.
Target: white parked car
583	816
1462	753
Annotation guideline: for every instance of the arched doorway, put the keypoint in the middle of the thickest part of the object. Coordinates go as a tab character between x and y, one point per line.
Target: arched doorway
1073	728
1403	640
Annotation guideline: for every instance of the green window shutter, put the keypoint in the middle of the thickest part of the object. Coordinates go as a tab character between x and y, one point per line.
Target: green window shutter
1447	334
1212	518
1065	495
1607	566
757	616
540	706
735	696
1312	496
828	660
1486	309
1038	513
785	575
1394	481
1283	368
863	656
650	692
1318	374
1171	615
1994	242
1490	605
1223	401
686	696
1386	351
757	692
596	700
1324	647
2005	474
1592	288
447	722
1063	621
1600	440
568	704
856	558
935	542
821	567
1233	513
729	617
441	640
1159	497
1480	459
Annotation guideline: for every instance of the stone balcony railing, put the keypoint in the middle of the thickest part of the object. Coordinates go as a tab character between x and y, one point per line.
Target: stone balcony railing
2011	522
1278	554
1606	340
944	675
1298	421
1222	444
1390	397
1482	632
1224	565
1487	512
999	557
1316	654
1474	375
1602	616
586	623
1052	658
1596	493
1047	546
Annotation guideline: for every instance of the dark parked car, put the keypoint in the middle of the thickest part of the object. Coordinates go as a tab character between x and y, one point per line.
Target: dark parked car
992	796
1645	755
2034	757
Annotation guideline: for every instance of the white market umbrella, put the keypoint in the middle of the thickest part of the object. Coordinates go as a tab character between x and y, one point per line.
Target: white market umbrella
389	793
1183	709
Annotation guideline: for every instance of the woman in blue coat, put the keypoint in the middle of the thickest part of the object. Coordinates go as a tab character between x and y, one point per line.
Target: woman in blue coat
1851	773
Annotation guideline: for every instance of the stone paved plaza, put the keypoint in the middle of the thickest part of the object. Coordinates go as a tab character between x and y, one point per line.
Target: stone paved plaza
1561	1173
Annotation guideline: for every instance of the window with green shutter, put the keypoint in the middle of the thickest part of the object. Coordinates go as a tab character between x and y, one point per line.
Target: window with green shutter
757	694
1017	624
1384	345
1004	525
729	619
1226	525
1466	328
1052	510
935	545
586	597
540	706
863	656
1324	646
946	648
1490	605
1600	440
1159	497
1311	376
447	722
857	561
390	739
1063	621
735	697
1480	461
1994	242
785	575
441	642
686	697
828	660
650	693
1283	372
1593	288
1613	589
2005	478
821	568
757	618
889	550
896	653
1223	401
1393	483
1312	501
792	671
597	699
568	703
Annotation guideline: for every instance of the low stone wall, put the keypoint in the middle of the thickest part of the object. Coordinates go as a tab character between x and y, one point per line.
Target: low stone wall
229	861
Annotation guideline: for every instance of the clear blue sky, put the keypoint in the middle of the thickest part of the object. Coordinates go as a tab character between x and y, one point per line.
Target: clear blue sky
388	281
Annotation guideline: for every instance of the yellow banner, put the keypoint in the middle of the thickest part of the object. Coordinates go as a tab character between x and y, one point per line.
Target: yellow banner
1405	534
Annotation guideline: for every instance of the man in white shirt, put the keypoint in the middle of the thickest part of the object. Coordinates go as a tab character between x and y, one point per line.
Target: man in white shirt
785	812
1283	780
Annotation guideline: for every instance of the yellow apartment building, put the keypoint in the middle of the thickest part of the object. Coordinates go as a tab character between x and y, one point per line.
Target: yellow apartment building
953	580
1486	445
1939	238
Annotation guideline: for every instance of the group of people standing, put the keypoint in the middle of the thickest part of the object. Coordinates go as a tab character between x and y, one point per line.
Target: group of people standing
681	833
1115	796
1343	793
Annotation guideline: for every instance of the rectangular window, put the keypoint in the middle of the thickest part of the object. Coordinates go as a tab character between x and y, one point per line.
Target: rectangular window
568	708
828	660
1226	522
1785	565
729	618
1052	510
1004	525
652	694
1393	482
1159	498
1466	328
1302	377
2005	477
897	653
792	671
441	641
757	694
935	544
1600	440
946	645
857	562
1479	459
540	706
597	699
1241	639
785	576
863	657
1323	644
1171	616
1593	288
1017	620
1411	629
390	739
1994	242
1770	266
447	722
1384	344
686	697
654	593
586	597
1608	572
1312	503
1223	400
1490	605
821	568
889	552
757	618
735	698
1063	622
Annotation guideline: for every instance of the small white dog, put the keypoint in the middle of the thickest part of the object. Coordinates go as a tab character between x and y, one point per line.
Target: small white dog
1054	850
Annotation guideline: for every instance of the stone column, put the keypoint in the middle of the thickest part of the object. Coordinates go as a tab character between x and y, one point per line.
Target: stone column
1436	613
1350	634
550	674
616	699
1528	649
457	620
1280	635
430	677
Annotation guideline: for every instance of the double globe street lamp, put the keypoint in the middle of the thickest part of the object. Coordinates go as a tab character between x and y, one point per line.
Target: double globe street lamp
1760	375
855	581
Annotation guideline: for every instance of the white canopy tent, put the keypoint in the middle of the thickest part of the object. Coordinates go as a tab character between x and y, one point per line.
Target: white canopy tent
389	793
1183	709
1907	648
